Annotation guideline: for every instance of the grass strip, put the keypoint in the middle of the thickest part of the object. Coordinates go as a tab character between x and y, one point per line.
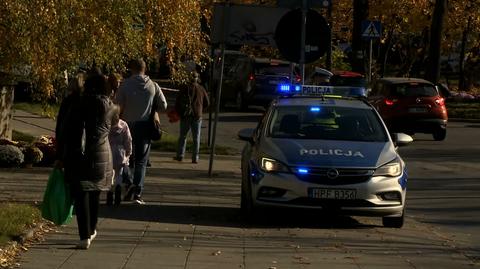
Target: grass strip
463	110
15	219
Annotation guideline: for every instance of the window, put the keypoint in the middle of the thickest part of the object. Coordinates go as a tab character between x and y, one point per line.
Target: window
414	90
327	123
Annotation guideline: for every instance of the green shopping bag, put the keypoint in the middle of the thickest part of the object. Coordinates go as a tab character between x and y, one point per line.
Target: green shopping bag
57	203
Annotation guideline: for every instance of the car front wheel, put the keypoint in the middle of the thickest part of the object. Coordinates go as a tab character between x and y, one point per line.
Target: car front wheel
394	222
247	207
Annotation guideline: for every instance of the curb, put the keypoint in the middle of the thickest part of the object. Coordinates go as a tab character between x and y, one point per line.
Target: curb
464	120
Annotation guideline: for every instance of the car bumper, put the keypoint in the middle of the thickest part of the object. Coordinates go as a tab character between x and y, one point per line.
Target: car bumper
368	200
415	125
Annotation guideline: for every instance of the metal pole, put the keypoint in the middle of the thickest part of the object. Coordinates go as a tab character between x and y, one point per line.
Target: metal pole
369	77
303	36
329	49
212	91
219	91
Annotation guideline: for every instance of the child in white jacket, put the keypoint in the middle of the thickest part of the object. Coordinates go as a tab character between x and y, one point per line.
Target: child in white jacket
121	146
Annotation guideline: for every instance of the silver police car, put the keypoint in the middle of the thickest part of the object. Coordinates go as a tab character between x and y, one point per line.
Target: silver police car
331	153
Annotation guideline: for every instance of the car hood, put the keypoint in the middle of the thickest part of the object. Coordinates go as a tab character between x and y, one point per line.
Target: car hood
327	153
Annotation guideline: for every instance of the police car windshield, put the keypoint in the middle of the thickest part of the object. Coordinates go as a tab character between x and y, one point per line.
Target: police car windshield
327	123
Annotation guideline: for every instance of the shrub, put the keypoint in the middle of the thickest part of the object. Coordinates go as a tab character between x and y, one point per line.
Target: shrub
47	145
10	156
32	154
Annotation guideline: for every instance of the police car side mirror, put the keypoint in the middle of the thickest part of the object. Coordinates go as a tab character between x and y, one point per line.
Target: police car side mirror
401	139
246	134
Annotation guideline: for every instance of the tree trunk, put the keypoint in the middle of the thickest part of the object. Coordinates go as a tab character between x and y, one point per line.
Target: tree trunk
384	53
432	72
360	13
461	67
6	113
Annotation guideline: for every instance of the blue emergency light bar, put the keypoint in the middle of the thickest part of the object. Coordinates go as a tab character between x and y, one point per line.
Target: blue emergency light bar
288	88
315	109
315	90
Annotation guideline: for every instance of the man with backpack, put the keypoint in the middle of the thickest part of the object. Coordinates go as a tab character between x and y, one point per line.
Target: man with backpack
189	104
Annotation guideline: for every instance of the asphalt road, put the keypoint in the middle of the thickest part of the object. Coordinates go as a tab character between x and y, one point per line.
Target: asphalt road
444	180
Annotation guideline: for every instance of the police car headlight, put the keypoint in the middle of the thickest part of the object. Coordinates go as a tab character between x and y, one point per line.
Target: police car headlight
271	165
392	169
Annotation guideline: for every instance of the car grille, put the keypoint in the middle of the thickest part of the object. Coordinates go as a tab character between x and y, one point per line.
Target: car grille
345	176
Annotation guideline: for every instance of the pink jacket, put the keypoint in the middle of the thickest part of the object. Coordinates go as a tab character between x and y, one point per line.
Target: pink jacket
120	143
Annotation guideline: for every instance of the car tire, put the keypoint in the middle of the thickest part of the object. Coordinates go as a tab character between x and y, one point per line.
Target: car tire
240	102
247	208
394	222
440	134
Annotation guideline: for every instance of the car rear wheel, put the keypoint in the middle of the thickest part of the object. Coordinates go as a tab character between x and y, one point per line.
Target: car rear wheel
439	134
394	222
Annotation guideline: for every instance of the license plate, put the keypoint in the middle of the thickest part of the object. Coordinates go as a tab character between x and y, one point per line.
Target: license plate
417	110
275	82
343	194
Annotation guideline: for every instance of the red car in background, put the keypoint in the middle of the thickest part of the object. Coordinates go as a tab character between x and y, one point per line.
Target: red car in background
410	105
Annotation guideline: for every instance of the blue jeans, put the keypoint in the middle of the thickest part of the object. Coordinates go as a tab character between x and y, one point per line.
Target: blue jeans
141	150
187	124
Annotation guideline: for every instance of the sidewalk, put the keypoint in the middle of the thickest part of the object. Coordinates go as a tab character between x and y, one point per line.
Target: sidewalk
185	208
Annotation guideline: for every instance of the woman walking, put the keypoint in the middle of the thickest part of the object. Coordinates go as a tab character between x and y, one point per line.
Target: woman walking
92	120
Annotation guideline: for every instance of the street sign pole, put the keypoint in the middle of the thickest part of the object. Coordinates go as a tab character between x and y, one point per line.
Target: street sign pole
226	7
303	36
369	77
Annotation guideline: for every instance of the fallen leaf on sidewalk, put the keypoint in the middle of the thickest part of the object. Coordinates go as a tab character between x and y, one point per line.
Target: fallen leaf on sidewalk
216	253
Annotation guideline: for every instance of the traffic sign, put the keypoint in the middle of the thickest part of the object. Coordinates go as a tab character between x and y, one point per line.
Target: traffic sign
288	36
371	29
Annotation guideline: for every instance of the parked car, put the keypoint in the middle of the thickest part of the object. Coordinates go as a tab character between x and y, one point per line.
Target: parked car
318	76
255	81
348	78
410	105
329	153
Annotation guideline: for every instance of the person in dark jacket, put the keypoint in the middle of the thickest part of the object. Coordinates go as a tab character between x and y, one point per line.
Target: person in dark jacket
85	132
190	104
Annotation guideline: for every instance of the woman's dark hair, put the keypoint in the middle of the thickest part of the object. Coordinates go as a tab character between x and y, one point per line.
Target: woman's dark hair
97	84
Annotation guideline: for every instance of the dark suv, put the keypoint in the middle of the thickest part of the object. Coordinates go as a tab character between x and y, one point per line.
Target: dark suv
410	105
255	81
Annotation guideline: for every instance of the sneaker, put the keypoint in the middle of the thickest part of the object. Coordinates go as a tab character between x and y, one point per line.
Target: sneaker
178	159
93	236
137	199
83	244
118	195
110	198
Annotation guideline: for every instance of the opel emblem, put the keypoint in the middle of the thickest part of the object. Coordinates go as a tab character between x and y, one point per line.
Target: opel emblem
418	100
332	173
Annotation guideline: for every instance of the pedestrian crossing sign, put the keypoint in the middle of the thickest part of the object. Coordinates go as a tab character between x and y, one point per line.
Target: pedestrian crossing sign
371	29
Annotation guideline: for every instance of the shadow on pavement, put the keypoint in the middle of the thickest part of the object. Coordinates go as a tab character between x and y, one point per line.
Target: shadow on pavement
229	217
